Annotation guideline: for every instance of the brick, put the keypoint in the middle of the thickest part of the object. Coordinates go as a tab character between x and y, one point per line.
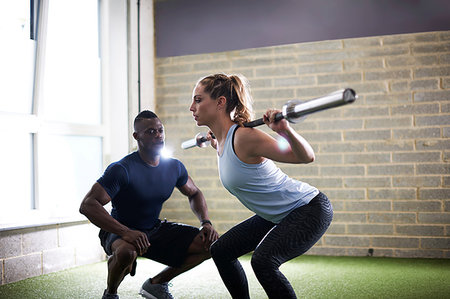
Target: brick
345	124
367	182
294	81
409	38
445	108
336	228
274	94
10	244
347	241
368	205
424	84
412	61
436	243
432	72
377	252
339	217
323	136
367	135
325	251
416	109
435	120
395	242
389	122
432	144
324	182
308	93
392	193
328	158
392	217
174	69
288	59
446	81
334	194
431	48
330	147
434	218
342	170
318	68
415	133
276	71
391	98
434	193
339	78
365	111
384	75
370	229
398	86
419	253
22	267
417	157
433	169
252	62
432	96
417	181
419	230
362	42
354	65
400	169
417	206
390	145
364	158
37	240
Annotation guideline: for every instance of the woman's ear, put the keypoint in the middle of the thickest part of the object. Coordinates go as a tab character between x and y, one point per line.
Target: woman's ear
221	102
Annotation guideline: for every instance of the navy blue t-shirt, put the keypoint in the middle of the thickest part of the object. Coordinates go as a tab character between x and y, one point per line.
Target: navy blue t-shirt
138	190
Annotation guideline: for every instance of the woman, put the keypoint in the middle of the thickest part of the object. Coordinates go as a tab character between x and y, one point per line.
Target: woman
291	216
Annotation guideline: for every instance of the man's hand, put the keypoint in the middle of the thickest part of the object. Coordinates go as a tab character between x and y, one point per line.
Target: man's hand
208	235
138	239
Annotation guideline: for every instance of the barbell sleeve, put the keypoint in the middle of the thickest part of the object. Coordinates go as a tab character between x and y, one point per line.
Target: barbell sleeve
295	109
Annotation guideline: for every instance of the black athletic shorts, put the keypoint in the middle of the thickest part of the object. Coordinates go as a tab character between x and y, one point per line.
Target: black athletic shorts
169	242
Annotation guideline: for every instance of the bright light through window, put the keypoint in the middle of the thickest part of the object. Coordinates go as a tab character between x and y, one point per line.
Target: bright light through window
71	90
16	173
68	167
16	57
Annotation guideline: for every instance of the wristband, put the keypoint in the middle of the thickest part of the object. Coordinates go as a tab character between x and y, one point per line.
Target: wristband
203	222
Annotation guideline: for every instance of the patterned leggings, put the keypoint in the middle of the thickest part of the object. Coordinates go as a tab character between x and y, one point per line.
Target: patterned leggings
273	245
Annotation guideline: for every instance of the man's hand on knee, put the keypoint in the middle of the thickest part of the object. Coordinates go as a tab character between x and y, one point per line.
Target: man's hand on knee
138	239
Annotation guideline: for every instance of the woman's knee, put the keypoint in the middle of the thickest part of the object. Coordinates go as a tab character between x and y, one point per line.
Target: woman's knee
263	264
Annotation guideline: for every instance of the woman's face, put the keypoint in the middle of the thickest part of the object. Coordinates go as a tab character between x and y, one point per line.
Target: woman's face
203	108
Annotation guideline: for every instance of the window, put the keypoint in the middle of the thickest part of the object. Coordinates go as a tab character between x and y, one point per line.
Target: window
51	128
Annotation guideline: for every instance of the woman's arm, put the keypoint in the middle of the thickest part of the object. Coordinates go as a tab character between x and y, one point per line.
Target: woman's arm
253	145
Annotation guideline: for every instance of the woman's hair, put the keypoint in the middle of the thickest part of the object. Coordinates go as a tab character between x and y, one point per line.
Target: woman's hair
236	89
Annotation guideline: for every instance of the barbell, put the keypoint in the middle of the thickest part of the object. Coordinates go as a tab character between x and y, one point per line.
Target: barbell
293	111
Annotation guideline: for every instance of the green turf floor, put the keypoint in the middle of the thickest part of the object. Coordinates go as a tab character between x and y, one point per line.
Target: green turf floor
311	277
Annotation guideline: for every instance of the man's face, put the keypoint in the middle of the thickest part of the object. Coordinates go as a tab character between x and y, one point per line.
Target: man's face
149	134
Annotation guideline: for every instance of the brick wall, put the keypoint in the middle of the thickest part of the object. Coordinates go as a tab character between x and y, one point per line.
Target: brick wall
383	161
34	251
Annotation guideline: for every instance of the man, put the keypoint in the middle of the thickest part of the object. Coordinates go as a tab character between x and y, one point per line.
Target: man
137	186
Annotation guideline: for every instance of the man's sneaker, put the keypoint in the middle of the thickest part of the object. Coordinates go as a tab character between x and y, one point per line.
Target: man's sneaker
155	291
109	296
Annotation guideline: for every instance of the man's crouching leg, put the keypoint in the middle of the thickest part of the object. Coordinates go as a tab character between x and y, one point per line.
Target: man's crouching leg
120	263
196	254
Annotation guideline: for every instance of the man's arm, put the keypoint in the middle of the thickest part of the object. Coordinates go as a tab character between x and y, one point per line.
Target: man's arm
200	209
92	208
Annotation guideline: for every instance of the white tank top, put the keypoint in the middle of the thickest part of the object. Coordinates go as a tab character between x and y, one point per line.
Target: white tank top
263	188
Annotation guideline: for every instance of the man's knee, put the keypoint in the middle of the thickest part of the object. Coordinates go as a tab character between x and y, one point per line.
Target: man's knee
124	254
